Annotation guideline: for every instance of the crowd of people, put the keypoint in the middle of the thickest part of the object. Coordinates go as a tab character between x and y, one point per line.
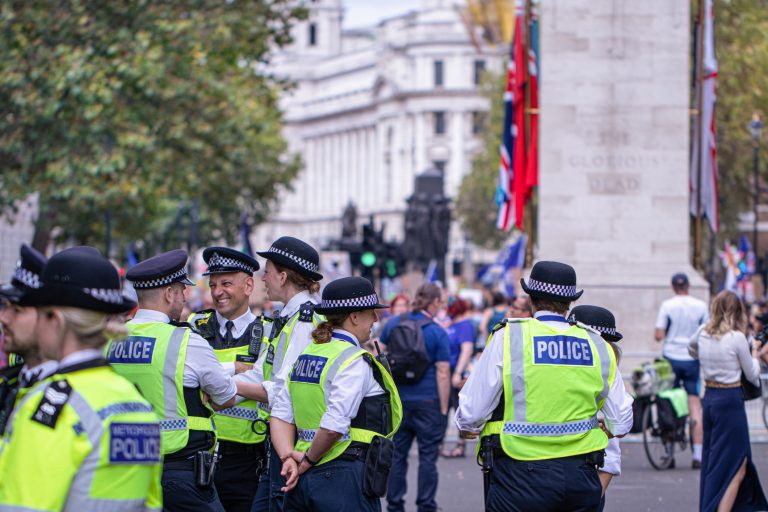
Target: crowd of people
121	402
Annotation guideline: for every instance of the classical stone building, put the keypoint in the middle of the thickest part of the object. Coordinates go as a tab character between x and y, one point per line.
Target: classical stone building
372	108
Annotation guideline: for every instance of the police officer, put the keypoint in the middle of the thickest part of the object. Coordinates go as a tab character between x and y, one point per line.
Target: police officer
534	396
84	439
603	321
171	364
235	334
19	333
291	276
340	404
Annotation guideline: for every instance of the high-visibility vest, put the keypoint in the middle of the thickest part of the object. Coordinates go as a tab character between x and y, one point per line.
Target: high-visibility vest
554	384
245	422
152	357
278	343
309	385
85	440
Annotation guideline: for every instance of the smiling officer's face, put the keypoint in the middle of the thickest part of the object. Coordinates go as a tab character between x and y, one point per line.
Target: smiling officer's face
230	293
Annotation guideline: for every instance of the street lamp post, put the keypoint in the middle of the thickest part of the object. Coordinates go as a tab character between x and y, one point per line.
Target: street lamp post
755	128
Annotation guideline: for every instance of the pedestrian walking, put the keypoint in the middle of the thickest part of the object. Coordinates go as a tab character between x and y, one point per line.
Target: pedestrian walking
171	364
534	397
729	480
494	313
603	321
678	319
291	276
236	336
19	324
83	439
419	352
461	337
341	406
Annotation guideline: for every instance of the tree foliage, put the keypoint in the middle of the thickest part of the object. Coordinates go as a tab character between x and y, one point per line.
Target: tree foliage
741	42
475	205
138	107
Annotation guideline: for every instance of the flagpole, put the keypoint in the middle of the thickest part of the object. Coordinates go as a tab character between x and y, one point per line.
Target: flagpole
699	89
529	210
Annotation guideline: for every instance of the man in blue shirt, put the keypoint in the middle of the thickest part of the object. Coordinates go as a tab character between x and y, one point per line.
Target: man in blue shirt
425	407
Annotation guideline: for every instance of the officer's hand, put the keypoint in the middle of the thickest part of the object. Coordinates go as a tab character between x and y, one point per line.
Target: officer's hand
297	456
290	472
242	367
465	434
601	423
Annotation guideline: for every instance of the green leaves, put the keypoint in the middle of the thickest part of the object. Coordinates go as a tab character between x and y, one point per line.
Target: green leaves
139	107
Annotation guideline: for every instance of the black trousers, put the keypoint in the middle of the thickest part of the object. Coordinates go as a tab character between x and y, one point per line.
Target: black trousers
237	476
554	485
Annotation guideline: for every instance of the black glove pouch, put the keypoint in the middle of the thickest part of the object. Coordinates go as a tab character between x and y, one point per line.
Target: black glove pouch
378	462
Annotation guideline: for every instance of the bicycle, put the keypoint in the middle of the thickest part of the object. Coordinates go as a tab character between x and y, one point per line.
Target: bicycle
664	413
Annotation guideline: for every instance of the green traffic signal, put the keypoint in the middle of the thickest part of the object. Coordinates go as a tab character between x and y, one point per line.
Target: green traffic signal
391	267
368	259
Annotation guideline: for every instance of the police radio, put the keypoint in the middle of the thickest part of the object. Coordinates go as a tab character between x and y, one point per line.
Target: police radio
257	333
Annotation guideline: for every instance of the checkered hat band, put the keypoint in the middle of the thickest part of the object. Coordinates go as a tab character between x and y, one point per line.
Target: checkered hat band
105	295
598	328
357	302
524	428
161	281
305	264
26	277
553	289
219	261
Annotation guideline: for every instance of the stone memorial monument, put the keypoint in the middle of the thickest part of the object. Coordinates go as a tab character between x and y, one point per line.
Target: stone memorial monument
615	86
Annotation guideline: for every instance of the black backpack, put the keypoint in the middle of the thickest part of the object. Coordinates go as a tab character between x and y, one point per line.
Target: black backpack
406	350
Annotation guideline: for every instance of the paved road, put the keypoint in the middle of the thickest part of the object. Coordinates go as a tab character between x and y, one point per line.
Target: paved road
639	489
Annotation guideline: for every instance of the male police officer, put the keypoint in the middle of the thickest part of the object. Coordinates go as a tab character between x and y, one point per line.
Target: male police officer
19	332
171	364
235	334
535	395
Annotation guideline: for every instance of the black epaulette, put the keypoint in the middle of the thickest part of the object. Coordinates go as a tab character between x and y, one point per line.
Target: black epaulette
499	326
307	311
55	397
188	325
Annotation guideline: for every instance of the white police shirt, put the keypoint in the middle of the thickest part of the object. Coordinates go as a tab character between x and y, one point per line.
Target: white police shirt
346	393
482	391
612	464
30	376
301	337
240	324
201	368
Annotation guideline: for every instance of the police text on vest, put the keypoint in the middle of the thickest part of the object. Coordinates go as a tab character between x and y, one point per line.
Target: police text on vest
562	350
134	443
132	350
308	368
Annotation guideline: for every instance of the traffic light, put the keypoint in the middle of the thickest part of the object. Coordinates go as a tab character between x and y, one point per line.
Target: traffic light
368	256
392	261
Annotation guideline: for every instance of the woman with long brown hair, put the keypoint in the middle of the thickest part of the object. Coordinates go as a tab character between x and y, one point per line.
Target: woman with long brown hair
728	477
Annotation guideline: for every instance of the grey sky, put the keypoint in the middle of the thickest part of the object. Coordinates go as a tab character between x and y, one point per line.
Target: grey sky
367	12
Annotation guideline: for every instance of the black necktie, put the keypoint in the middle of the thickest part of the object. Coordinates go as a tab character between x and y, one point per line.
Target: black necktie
229	340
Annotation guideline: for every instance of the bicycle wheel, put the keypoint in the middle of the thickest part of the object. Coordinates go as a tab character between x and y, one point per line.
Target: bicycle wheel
659	446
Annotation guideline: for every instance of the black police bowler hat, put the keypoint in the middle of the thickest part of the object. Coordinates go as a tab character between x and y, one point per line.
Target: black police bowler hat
552	280
292	253
347	295
223	260
160	270
82	279
600	319
26	277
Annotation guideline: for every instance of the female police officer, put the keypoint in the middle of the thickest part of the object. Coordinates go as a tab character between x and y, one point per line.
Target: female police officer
342	405
85	434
